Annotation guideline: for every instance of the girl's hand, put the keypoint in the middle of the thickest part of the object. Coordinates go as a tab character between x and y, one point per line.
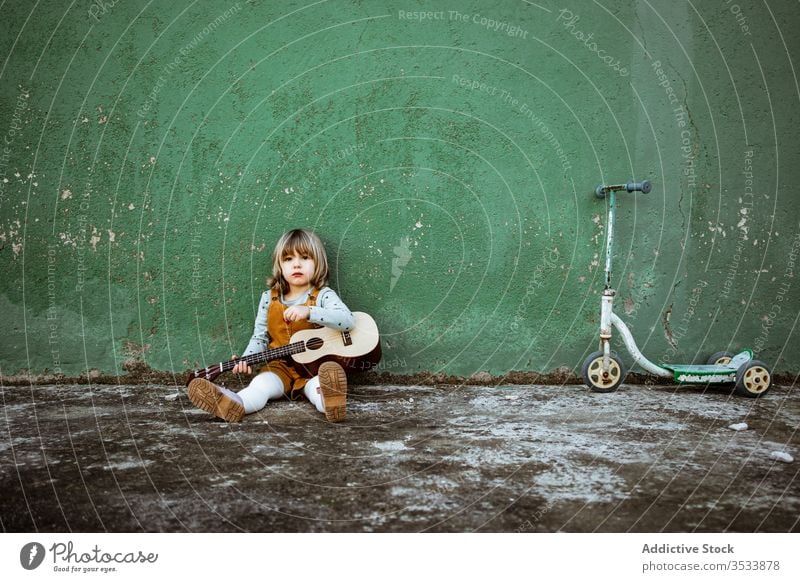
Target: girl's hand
297	313
241	367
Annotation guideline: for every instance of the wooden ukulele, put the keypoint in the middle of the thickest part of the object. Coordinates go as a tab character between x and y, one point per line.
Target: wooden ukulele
357	349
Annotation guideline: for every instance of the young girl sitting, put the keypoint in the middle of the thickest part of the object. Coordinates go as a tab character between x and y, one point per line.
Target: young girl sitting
297	298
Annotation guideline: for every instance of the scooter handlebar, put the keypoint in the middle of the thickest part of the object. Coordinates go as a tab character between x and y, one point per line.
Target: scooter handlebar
643	187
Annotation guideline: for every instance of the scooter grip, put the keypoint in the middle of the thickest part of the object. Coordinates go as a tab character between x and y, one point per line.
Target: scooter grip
643	187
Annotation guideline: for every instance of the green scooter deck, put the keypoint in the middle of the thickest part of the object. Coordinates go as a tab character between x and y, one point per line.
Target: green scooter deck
709	373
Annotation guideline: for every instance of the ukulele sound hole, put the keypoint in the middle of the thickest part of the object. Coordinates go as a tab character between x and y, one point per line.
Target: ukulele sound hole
314	343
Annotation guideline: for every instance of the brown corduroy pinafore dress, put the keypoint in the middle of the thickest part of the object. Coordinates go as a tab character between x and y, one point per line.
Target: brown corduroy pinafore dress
294	376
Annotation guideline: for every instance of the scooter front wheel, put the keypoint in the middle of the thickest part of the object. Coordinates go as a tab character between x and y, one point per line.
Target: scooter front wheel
599	380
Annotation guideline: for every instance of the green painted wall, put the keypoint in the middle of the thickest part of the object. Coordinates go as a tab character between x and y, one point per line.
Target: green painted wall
153	153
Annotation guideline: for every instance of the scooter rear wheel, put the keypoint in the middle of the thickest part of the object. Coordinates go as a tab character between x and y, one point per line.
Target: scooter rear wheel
753	379
720	358
598	380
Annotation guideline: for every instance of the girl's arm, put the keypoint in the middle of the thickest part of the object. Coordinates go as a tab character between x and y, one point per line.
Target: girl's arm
260	339
331	311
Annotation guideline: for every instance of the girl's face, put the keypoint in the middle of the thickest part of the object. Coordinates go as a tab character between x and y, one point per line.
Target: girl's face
297	271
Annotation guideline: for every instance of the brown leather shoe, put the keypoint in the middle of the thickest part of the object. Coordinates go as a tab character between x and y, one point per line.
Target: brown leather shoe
333	387
209	397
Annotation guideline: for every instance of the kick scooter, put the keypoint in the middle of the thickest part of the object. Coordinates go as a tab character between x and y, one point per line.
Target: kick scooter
603	371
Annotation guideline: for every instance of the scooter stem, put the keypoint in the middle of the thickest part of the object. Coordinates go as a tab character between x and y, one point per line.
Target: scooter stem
608	192
610	236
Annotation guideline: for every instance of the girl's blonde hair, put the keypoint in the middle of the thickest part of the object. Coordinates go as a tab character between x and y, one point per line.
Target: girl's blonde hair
302	242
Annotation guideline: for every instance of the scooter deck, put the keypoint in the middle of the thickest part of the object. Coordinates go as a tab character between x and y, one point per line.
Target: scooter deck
709	373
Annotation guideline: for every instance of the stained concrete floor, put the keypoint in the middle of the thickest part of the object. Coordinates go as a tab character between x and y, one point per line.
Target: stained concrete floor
409	459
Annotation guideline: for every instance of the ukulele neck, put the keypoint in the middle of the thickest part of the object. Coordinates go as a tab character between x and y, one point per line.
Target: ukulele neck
266	356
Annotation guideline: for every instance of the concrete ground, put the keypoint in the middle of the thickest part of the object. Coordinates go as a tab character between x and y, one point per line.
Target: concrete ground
408	459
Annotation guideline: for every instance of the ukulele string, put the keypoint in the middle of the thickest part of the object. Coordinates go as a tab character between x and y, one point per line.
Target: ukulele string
273	353
279	352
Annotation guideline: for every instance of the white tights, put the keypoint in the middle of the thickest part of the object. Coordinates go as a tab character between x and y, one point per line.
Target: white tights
268	386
